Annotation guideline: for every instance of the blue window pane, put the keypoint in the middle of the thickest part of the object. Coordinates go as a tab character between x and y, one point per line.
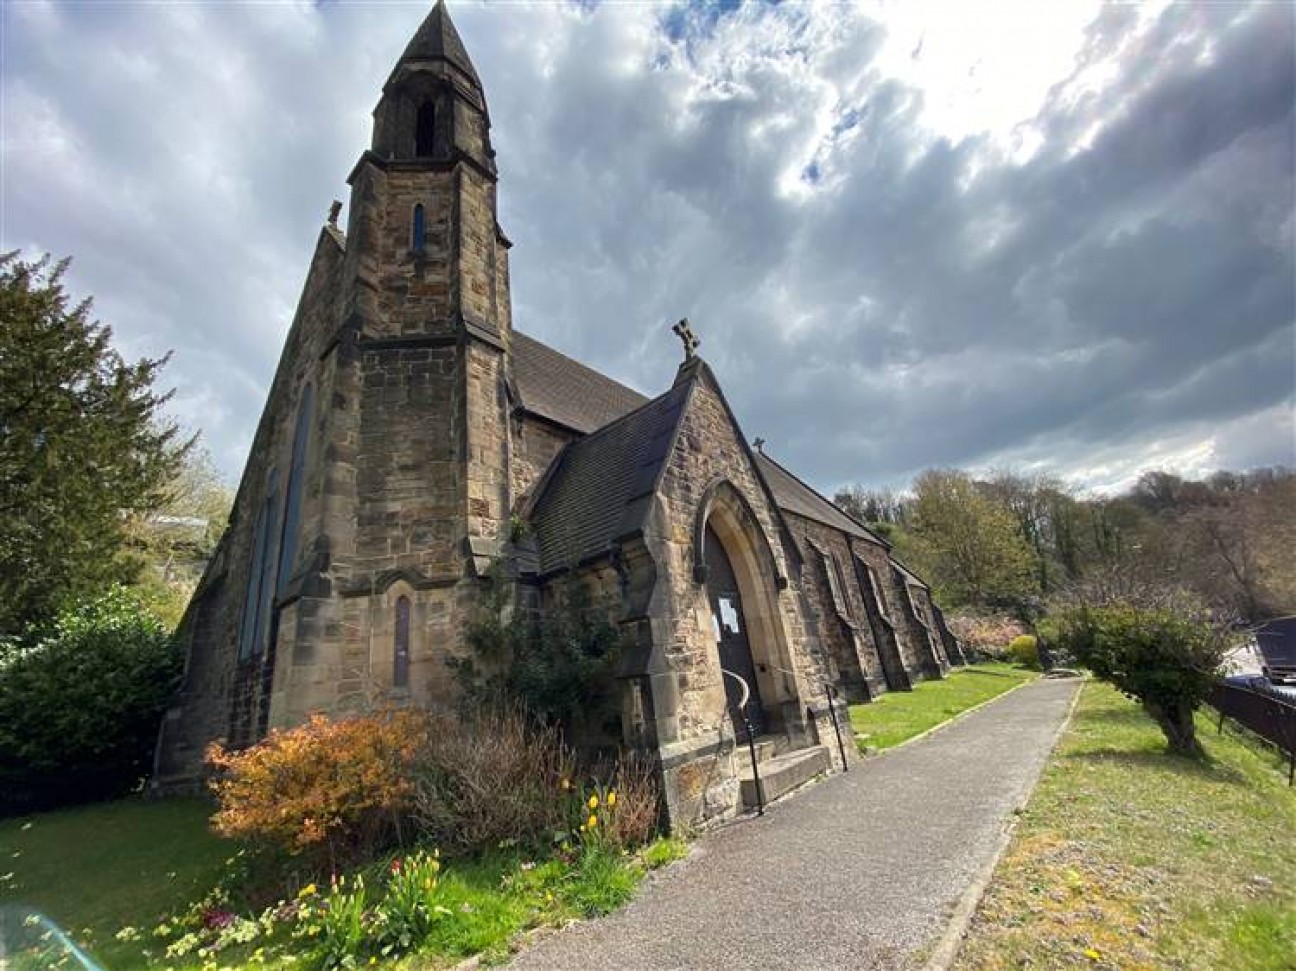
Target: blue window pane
251	598
257	596
265	571
292	504
401	658
419	230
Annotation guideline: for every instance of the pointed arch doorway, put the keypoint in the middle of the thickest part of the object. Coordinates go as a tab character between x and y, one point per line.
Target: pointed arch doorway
731	632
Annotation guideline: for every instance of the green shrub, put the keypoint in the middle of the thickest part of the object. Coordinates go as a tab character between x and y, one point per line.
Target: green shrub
81	702
1166	657
1024	650
558	664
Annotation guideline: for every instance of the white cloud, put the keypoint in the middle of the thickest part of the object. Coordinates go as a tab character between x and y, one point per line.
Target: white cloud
1074	251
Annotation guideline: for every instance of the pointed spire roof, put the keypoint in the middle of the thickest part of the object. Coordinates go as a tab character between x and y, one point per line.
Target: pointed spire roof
437	39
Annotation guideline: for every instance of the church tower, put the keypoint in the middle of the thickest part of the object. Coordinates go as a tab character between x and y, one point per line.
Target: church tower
377	490
417	496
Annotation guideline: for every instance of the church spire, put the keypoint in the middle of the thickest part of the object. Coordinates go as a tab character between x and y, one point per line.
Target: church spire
433	109
437	40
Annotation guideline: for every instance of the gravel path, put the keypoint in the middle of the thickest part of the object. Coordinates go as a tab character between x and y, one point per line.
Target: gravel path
859	871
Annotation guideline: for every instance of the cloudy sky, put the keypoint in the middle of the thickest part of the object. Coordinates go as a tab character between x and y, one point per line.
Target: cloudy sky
1052	236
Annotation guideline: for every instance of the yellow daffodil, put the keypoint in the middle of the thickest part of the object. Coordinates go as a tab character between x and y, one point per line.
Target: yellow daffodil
593	802
591	822
611	800
307	890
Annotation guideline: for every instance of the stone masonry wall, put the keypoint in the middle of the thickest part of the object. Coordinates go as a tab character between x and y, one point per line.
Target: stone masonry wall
849	640
870	563
224	696
535	445
692	724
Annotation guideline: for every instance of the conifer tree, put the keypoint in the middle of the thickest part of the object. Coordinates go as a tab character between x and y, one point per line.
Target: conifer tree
84	445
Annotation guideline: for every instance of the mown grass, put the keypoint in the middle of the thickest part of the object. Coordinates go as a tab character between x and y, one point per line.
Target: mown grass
98	869
900	715
1127	857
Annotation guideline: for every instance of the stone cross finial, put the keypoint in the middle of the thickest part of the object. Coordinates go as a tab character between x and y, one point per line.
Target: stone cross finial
685	333
335	210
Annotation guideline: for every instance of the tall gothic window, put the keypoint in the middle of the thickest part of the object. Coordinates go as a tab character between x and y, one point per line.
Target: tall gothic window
875	589
424	129
401	647
251	598
267	562
260	588
418	230
835	585
292	504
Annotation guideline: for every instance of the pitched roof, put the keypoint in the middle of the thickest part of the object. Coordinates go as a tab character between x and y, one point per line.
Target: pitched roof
794	496
553	386
437	39
600	487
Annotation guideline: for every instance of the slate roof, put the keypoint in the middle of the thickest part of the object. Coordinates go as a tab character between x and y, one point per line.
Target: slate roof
600	487
437	39
553	386
794	496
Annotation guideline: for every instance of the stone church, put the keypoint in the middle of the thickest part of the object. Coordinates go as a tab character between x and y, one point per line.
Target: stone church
413	438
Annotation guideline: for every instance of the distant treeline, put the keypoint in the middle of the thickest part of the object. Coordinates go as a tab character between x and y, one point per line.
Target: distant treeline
1008	542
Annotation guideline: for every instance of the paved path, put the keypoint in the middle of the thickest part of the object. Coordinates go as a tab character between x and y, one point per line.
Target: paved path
859	871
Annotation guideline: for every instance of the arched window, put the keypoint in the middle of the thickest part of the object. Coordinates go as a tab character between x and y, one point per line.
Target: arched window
418	231
292	504
424	129
400	653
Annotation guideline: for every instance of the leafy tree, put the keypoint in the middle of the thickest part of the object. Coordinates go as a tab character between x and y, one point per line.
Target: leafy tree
80	702
1164	652
174	542
83	445
874	506
967	543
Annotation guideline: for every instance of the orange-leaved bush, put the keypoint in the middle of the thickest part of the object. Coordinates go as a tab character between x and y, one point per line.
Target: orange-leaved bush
333	792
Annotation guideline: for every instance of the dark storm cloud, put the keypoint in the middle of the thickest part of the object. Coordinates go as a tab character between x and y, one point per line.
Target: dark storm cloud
875	298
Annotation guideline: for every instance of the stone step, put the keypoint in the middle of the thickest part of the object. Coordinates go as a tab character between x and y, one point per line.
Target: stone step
767	747
783	773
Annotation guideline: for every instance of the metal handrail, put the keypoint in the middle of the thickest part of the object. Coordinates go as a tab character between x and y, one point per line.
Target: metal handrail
832	713
751	739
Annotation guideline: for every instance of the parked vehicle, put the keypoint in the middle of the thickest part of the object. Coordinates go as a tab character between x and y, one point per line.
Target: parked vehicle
1277	642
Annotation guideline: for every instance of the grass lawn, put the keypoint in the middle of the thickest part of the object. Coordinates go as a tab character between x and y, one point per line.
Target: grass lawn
900	715
97	868
1127	857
